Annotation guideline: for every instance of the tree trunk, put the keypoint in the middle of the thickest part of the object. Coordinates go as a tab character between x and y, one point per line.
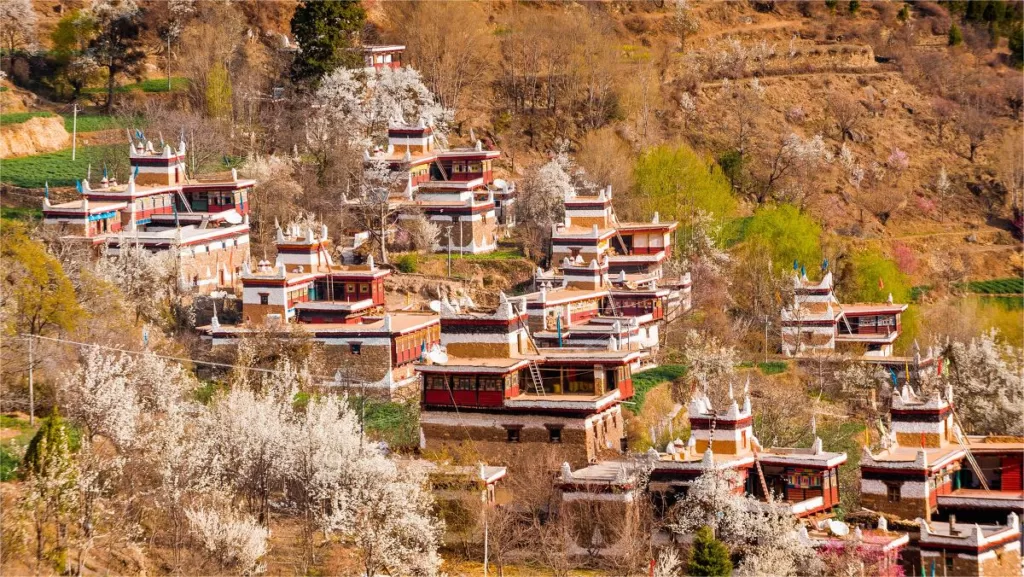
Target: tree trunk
110	89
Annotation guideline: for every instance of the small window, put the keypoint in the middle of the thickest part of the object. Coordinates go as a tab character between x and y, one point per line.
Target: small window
355	348
892	491
465	383
555	434
949	562
513	434
490	383
264	298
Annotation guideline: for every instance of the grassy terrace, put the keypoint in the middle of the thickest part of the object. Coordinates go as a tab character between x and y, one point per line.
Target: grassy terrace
20	213
86	122
57	167
647	380
178	84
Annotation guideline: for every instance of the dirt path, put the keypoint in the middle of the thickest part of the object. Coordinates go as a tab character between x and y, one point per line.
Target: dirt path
759	27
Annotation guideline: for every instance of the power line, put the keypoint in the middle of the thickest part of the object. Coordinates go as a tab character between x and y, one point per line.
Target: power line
179	359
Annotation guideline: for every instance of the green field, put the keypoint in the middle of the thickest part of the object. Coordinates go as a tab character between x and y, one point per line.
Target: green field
999	286
647	380
178	84
58	169
95	122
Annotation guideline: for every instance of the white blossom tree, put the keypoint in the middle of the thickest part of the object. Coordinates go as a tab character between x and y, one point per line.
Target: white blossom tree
709	361
542	197
101	396
987	375
764	535
147	280
363	102
249	434
394	529
373	209
236	540
19	28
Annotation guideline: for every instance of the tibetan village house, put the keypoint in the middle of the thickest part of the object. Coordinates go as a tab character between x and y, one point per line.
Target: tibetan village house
205	222
928	468
817	321
342	307
954	548
382	55
609	288
454	188
497	390
806	479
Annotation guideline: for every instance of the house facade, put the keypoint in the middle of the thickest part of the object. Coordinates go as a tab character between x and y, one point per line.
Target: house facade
204	223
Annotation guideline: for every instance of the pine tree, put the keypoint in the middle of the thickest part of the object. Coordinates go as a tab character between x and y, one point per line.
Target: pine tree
1017	46
709	557
955	36
52	479
854	6
325	30
904	13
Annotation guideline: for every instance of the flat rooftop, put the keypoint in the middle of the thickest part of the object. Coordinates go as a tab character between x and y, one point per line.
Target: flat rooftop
870	308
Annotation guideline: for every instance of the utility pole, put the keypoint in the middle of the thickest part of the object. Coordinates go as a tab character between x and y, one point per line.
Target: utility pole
362	412
31	384
448	230
74	131
168	60
484	499
766	338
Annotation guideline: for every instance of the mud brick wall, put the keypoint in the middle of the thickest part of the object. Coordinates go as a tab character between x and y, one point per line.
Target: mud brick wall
904	508
583	440
371	364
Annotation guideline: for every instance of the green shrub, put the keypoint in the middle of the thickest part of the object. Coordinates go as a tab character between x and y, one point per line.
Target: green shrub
397	424
9	463
408	262
955	37
997	286
773	367
675	181
205	392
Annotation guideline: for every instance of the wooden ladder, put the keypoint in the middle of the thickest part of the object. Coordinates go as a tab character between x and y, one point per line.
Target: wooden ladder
534	369
538	380
760	475
964	444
